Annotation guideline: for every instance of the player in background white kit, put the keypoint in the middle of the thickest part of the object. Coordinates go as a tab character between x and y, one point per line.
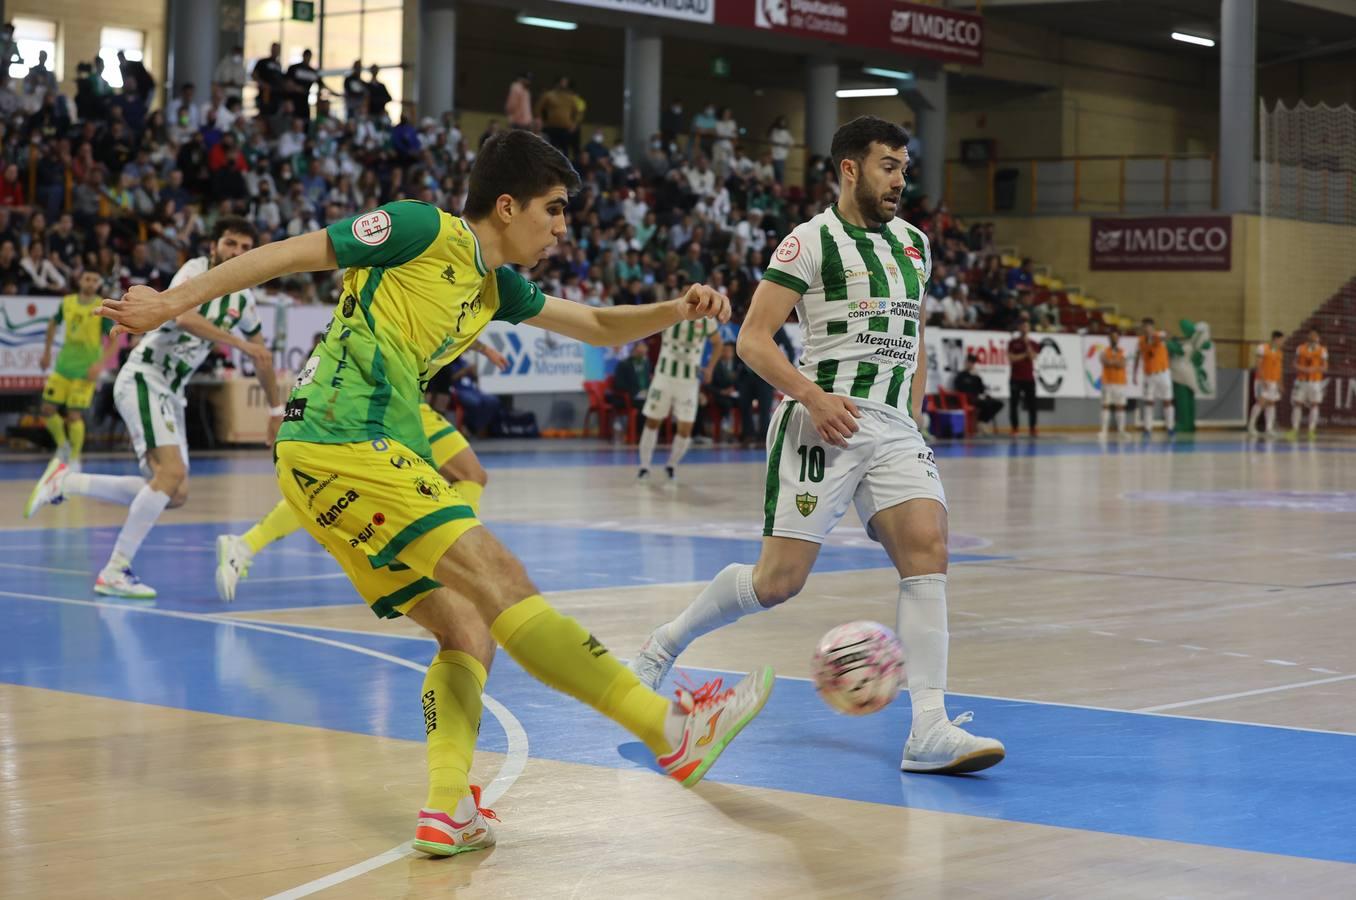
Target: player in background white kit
847	434
150	395
676	388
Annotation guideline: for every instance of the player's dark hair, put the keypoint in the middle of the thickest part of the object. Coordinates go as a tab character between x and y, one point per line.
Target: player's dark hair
520	164
1147	320
853	140
1277	334
235	225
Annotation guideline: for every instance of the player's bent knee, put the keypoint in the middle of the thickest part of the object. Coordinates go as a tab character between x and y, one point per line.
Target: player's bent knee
486	571
776	587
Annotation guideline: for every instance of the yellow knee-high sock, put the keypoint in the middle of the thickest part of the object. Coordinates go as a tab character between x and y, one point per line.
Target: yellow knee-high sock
451	700
558	651
76	431
279	523
470	492
56	427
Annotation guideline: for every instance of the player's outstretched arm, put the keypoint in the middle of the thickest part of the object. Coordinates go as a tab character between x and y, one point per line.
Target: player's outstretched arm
834	417
143	308
619	325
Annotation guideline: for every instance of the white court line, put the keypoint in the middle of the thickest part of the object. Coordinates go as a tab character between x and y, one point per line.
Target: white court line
1269	690
44	569
515	757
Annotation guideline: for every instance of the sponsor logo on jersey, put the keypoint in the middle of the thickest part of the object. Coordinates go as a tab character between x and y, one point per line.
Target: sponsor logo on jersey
428	488
365	535
912	253
401	462
336	511
430	714
295	411
350	304
373	228
789	249
806	503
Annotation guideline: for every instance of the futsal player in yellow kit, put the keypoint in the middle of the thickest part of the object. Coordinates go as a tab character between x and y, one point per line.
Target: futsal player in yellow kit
452	456
354	464
85	351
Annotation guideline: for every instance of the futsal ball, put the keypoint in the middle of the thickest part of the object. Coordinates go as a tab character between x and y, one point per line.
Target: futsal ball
858	667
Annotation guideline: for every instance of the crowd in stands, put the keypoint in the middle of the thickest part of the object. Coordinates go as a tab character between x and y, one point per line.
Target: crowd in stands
97	178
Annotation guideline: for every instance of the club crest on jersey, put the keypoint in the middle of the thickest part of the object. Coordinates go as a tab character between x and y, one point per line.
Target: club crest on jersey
912	253
806	503
373	228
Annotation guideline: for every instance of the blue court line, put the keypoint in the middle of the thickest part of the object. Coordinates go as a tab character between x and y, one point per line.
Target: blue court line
179	561
1243	787
260	462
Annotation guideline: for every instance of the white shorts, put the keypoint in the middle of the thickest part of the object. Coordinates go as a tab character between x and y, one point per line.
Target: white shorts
153	413
1158	386
1308	393
676	396
1113	394
810	483
1269	391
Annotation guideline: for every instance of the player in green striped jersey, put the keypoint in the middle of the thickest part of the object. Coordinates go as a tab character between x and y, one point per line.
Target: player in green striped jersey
847	433
676	388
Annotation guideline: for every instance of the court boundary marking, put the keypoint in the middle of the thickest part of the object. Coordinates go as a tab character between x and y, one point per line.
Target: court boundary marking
515	756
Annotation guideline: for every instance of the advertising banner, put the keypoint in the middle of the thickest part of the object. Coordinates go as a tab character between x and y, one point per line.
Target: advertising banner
907	28
23	326
1163	244
686	10
539	361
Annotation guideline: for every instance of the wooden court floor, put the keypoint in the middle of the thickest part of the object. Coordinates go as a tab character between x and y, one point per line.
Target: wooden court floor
1160	633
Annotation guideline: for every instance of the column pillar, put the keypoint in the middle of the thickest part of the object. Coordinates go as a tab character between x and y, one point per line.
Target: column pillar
821	105
1237	103
641	88
194	49
931	124
437	58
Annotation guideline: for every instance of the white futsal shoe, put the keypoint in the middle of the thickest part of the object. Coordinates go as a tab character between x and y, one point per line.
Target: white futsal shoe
233	563
651	663
118	580
48	489
947	749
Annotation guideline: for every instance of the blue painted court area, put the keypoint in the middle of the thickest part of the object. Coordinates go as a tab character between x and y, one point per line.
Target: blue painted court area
554	455
179	562
1245	787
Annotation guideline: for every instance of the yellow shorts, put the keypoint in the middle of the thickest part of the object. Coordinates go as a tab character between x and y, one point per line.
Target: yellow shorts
72	393
442	435
380	510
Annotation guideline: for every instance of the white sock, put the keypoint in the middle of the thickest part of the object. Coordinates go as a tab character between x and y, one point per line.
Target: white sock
1296	416
1271	418
1252	420
921	624
1313	418
1120	419
680	445
145	509
728	598
648	438
1170	417
112	488
1106	418
1148	417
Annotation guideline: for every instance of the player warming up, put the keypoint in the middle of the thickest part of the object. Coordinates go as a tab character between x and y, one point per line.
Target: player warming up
354	464
84	353
1113	384
1152	359
847	434
1266	383
676	389
1311	366
151	393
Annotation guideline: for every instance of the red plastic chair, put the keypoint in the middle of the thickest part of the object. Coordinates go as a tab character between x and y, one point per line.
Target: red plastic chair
628	409
956	400
598	406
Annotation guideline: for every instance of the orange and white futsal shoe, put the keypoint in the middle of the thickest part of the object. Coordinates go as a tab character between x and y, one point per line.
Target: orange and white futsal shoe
467	827
714	718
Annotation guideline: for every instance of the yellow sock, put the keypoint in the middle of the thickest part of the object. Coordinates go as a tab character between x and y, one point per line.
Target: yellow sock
76	430
279	523
451	700
470	491
56	427
558	651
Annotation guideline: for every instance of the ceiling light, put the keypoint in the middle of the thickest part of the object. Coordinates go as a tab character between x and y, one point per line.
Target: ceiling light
868	92
1193	39
539	22
888	73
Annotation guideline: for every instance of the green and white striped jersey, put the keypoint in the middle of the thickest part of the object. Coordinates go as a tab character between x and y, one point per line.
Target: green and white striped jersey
680	354
169	355
861	293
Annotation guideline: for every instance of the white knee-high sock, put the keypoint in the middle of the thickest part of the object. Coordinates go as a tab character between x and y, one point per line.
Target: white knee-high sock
1170	417
1120	418
1256	412
679	450
112	488
1271	418
921	624
1106	417
1313	418
648	438
728	598
1148	417
1296	416
146	508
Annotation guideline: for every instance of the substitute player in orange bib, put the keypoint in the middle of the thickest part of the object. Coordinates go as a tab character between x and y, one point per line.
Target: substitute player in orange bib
1311	365
1266	385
